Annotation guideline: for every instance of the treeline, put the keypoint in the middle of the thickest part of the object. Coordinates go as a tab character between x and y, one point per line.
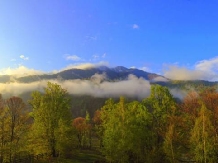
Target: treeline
47	129
156	129
160	130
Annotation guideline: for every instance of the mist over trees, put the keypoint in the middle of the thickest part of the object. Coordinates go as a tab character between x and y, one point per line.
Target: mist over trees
158	128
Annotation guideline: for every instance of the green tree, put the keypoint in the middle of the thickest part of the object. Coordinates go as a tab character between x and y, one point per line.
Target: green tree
203	137
89	129
139	136
174	139
52	119
162	106
126	131
113	130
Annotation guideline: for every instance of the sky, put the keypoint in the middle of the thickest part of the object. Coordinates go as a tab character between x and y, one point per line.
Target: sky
174	38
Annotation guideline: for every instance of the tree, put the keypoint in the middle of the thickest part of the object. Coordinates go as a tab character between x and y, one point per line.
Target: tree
174	139
139	136
98	129
203	137
89	129
126	131
209	97
13	127
3	133
79	124
112	131
52	118
190	108
83	131
162	106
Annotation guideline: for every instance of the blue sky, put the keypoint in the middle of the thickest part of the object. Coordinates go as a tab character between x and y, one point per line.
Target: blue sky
154	35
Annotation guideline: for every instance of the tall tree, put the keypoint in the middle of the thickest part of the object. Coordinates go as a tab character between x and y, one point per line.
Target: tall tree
209	97
113	131
126	132
162	106
3	133
13	127
52	118
98	129
203	137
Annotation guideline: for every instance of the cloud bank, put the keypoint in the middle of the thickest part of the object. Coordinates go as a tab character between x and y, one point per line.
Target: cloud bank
85	66
20	71
182	73
203	70
97	87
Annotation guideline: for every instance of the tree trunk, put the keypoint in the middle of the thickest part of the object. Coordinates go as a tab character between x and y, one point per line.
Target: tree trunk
204	141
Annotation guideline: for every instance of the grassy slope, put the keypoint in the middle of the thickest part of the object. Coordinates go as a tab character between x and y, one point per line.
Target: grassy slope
80	156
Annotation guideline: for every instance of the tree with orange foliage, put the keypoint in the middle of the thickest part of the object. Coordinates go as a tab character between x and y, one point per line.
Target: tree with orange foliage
200	115
210	98
79	124
83	129
98	126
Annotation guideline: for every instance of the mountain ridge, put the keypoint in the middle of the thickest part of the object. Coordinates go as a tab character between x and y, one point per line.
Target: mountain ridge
116	73
119	73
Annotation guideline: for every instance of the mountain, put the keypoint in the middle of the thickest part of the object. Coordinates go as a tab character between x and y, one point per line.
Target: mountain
112	74
90	94
118	73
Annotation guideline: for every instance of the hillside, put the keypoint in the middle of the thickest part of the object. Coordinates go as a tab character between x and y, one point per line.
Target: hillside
112	74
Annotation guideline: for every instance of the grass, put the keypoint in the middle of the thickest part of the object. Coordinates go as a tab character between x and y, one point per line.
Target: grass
87	156
79	156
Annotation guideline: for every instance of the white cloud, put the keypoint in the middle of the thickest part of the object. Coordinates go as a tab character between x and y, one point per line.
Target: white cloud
95	56
98	78
137	87
104	55
160	79
210	65
135	26
84	66
144	69
203	70
19	71
73	58
178	93
24	58
182	73
132	67
24	71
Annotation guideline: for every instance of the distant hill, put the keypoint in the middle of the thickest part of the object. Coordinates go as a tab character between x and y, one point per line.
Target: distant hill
112	74
86	102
